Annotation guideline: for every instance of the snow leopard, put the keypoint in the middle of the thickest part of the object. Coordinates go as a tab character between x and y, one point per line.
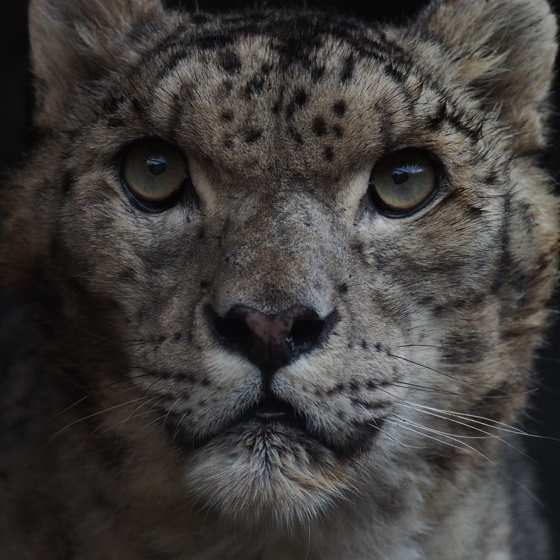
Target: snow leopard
281	276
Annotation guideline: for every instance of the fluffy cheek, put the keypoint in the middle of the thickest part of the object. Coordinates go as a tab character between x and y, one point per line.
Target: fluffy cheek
266	477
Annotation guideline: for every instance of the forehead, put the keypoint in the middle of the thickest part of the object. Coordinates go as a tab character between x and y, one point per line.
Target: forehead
290	95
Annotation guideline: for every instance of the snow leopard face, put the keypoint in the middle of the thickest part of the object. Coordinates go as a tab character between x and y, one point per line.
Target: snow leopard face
289	254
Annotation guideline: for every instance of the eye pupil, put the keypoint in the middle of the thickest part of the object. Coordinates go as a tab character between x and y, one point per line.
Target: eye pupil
157	165
399	176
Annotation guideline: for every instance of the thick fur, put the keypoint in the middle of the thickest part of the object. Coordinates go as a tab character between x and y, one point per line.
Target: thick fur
122	438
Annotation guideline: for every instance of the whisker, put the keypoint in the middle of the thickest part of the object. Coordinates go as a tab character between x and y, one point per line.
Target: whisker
98	390
474	450
399	422
488	435
418	387
390	354
129	417
83	419
488	422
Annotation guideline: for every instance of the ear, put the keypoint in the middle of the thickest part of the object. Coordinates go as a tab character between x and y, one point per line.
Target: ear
74	41
504	50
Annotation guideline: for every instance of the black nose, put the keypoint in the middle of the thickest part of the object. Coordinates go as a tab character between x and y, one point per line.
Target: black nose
271	341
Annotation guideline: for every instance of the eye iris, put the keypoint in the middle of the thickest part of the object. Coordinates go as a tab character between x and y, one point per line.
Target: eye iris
401	182
153	171
157	165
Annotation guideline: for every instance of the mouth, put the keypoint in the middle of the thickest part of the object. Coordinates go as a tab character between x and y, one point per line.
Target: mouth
271	416
273	411
269	413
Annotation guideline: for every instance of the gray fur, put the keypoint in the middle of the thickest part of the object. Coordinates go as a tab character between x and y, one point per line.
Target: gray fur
125	433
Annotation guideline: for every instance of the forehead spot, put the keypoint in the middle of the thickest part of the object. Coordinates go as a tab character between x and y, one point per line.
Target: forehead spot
138	107
254	86
300	98
229	61
290	110
319	126
112	104
338	131
295	135
339	108
252	135
394	73
298	102
329	153
317	73
227	86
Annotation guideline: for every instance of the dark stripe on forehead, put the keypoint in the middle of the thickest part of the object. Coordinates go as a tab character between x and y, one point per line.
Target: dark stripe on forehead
443	116
213	42
311	30
220	37
183	95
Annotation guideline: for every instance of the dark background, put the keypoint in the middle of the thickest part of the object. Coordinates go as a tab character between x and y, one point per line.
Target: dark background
15	102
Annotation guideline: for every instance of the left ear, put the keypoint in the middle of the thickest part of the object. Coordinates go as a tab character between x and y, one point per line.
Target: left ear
504	50
75	41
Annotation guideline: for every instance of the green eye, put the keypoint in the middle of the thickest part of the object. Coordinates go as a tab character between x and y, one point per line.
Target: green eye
402	181
153	171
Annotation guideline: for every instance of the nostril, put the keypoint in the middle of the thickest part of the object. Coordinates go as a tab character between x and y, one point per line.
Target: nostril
306	333
232	331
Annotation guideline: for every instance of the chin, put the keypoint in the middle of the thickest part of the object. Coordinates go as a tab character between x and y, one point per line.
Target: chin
266	474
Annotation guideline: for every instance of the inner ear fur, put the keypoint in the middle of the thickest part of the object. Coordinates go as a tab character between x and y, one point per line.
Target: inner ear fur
75	41
504	50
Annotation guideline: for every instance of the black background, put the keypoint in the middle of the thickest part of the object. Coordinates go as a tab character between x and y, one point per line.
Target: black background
15	101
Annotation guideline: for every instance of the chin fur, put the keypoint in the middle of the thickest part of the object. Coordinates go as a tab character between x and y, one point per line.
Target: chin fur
266	475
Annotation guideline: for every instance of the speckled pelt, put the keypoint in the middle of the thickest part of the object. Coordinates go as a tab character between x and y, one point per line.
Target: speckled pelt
284	274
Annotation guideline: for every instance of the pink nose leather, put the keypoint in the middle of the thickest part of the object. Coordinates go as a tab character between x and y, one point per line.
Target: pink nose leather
270	341
271	331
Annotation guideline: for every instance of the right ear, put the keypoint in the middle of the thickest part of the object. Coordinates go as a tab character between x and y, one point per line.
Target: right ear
75	41
504	51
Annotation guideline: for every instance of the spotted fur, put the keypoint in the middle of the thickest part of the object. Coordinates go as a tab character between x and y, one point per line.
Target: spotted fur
126	431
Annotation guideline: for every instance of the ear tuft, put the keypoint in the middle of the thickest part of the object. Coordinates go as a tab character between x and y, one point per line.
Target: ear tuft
504	51
73	41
